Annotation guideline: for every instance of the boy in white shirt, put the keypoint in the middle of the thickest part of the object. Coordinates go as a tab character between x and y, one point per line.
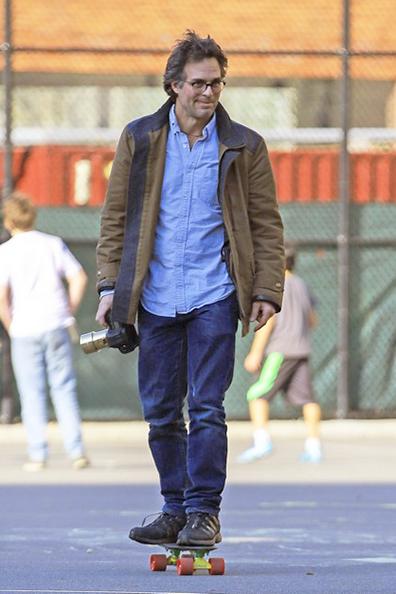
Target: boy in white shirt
36	310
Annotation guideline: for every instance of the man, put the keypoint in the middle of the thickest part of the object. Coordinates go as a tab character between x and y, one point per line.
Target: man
36	311
286	342
191	238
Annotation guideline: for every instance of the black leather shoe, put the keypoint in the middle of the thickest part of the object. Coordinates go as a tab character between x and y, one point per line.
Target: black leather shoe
201	529
164	529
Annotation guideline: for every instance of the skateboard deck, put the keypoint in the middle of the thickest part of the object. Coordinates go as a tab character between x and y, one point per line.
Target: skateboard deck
187	559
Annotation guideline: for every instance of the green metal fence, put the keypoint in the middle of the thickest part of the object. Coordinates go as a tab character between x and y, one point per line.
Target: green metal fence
306	75
108	379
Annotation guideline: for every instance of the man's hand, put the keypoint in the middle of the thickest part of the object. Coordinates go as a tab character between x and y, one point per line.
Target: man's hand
105	305
261	312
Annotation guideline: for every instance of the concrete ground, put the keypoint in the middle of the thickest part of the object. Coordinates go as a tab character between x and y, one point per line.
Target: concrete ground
288	528
354	451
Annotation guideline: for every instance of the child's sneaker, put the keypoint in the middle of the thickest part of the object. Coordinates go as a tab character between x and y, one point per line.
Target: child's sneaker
80	463
312	451
255	453
34	466
311	456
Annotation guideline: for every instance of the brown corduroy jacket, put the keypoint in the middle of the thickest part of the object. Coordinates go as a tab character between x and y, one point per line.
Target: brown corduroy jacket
254	232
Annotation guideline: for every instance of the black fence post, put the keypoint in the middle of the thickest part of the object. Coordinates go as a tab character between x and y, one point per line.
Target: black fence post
343	239
6	396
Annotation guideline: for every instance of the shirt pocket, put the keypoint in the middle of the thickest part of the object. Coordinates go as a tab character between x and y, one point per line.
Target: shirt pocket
207	191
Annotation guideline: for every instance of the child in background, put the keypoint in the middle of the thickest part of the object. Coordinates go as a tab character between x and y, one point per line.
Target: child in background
285	340
37	311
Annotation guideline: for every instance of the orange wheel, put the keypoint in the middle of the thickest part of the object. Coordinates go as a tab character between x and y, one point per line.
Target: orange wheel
217	566
158	562
185	566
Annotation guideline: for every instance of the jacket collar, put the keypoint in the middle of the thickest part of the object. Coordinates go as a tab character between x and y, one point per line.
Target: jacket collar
229	132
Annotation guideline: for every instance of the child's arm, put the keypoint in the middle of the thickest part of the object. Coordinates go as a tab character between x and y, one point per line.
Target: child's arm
5	307
255	356
313	319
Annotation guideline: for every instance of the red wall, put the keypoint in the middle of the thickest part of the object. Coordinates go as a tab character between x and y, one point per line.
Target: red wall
48	174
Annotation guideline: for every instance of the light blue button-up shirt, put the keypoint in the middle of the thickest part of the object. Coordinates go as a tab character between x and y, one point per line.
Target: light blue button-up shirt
186	270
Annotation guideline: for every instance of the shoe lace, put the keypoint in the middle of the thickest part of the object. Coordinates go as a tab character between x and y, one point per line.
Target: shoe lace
158	516
197	519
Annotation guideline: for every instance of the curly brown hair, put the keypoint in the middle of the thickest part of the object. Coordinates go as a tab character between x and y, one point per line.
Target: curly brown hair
191	48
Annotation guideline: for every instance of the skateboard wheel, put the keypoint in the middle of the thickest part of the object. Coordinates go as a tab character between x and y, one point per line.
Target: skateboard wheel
158	562
217	566
185	566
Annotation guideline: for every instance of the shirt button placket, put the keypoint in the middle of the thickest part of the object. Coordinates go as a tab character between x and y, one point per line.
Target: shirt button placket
182	233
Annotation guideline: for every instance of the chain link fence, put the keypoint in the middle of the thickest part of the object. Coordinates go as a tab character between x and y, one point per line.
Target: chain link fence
317	80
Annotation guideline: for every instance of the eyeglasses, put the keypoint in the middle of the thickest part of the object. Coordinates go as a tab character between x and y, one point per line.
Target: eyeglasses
200	86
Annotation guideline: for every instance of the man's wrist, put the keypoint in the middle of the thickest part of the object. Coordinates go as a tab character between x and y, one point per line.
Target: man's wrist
105	284
264	299
105	293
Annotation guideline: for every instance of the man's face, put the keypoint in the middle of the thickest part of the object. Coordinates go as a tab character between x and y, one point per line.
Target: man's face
197	104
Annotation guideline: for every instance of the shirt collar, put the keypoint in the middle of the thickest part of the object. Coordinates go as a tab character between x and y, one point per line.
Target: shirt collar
174	124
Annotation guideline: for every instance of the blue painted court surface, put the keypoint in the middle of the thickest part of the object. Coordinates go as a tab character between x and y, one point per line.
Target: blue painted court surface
289	539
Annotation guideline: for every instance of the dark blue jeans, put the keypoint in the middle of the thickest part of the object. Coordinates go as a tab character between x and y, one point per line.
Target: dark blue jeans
189	355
